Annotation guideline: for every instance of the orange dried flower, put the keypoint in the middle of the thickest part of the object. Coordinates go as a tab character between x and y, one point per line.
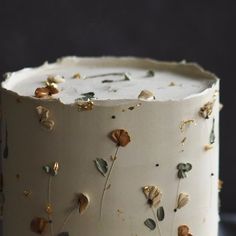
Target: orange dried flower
120	137
38	225
41	92
183	230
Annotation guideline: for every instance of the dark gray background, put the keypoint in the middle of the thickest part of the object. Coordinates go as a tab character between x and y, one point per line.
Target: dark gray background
32	31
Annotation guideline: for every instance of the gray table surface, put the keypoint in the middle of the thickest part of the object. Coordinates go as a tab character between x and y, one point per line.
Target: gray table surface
227	226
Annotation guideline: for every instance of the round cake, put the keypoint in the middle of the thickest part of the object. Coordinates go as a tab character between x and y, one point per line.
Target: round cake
110	146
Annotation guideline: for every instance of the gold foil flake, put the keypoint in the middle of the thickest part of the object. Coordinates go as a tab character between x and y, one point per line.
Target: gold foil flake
186	123
43	113
38	225
55	79
183	200
48	209
220	185
41	92
183	141
55	168
206	110
27	193
120	137
83	202
171	84
208	147
77	76
153	195
146	95
183	230
85	106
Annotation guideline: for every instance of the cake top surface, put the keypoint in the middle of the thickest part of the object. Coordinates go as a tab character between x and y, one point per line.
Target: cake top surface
112	78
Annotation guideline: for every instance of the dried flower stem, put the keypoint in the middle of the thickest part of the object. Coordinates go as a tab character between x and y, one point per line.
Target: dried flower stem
67	218
107	74
177	196
107	180
157	222
49	202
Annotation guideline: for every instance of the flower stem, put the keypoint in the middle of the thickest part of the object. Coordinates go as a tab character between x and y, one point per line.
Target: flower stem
49	202
103	75
67	218
107	181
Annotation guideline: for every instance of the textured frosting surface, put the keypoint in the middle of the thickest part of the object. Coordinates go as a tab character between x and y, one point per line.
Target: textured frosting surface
53	152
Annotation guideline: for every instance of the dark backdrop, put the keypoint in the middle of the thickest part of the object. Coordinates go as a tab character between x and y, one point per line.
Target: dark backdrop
32	31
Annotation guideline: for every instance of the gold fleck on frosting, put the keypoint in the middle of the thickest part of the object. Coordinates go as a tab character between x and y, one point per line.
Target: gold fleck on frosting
146	95
85	106
186	123
206	110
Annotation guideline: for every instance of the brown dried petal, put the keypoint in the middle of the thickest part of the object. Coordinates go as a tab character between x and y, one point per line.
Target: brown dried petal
38	225
153	194
52	89
183	230
41	92
83	202
120	137
43	113
85	106
49	124
146	95
183	200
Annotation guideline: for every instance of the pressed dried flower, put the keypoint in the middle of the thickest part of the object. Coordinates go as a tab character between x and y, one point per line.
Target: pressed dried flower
38	225
55	79
183	200
83	202
43	113
120	137
150	223
183	168
206	110
185	123
146	95
85	106
153	195
183	230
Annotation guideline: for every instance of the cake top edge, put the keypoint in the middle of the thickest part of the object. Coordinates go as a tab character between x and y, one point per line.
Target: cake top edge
112	80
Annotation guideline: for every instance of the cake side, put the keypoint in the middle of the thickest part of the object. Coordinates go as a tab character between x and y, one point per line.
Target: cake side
125	168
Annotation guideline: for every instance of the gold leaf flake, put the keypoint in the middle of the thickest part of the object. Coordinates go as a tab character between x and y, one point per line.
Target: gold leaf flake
27	193
206	110
85	106
83	202
48	209
120	137
38	225
55	168
55	79
186	123
183	200
183	230
77	76
153	195
146	95
208	147
41	92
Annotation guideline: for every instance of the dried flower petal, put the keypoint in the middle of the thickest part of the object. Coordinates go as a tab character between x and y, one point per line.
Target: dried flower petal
183	200
160	213
55	79
83	202
43	113
38	225
55	168
208	147
146	95
183	230
85	106
206	110
153	195
120	137
150	223
186	123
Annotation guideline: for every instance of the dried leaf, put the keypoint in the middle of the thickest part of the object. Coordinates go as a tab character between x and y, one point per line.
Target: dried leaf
150	223
87	96
150	73
183	230
43	114
55	168
38	225
153	195
120	137
160	213
183	200
146	95
183	168
101	165
212	134
85	105
83	202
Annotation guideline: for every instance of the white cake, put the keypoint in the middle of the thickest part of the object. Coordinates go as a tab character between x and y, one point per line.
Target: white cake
110	147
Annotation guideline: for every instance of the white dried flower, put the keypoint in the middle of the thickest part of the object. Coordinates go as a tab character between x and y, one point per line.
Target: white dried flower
146	95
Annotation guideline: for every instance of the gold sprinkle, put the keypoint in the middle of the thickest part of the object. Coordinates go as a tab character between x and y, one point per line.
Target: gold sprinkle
48	209
27	193
208	147
41	92
77	76
186	123
85	106
146	95
171	84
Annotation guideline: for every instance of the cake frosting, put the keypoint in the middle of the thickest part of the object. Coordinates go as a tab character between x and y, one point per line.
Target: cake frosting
117	146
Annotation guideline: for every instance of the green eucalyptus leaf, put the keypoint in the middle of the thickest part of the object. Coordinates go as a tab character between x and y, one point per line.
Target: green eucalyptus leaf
101	165
181	166
150	223
127	76
150	73
212	134
88	95
107	81
47	169
188	167
160	213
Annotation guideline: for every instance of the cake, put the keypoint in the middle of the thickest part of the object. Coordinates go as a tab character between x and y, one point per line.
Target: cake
110	146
